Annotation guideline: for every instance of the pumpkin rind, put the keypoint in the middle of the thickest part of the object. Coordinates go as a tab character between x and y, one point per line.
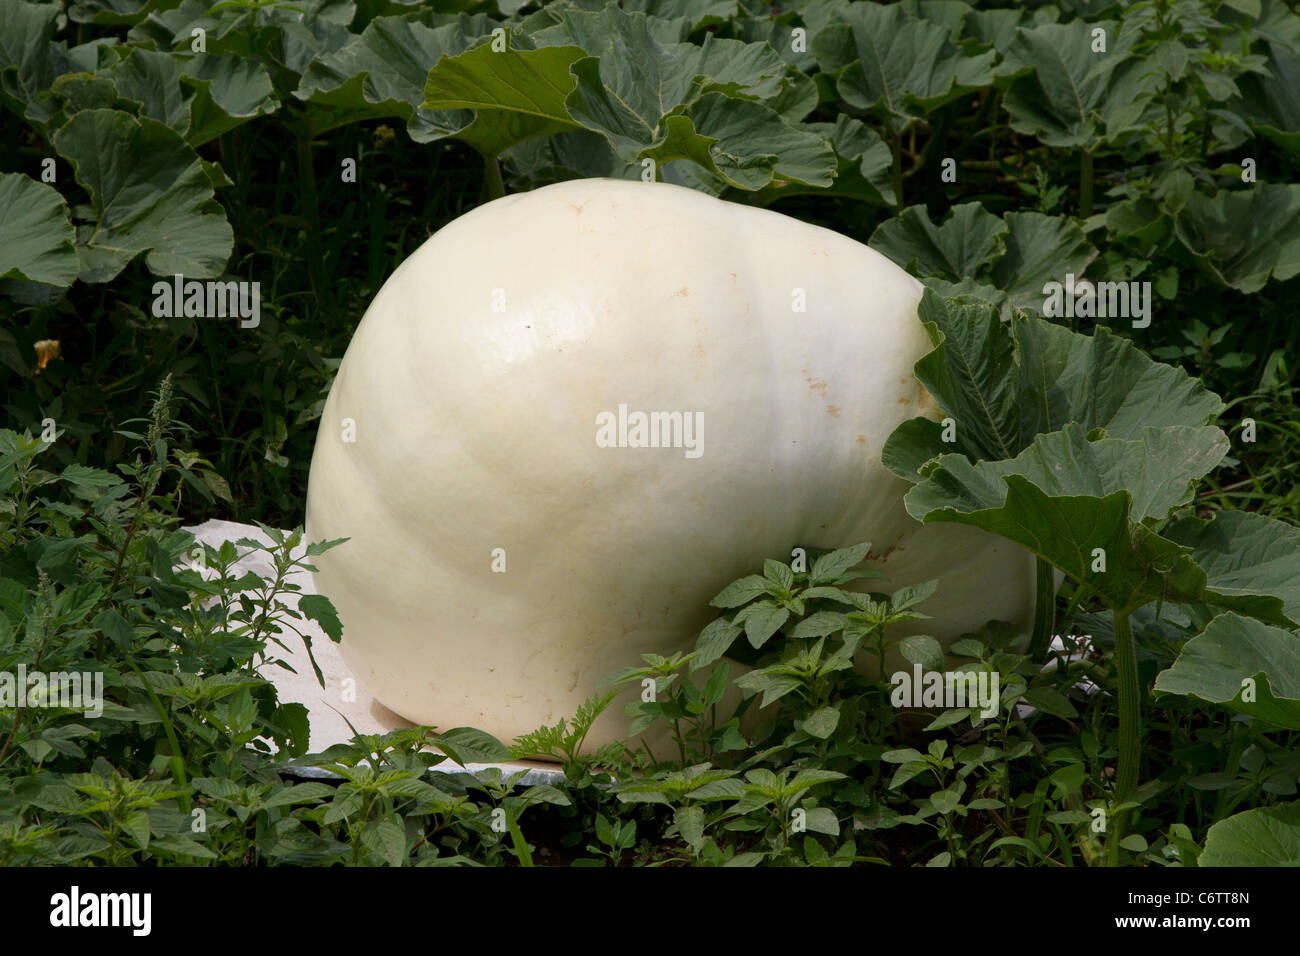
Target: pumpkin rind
474	382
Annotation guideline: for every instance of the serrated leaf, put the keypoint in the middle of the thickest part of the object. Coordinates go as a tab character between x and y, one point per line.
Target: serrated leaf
470	745
763	623
1006	382
1065	496
1039	249
822	722
714	641
382	72
1231	650
690	824
149	193
829	567
1266	836
969	238
742	591
822	820
36	237
1058	101
904	67
924	650
703	103
1272	99
1244	238
1252	563
516	94
386	840
1051	701
321	609
820	624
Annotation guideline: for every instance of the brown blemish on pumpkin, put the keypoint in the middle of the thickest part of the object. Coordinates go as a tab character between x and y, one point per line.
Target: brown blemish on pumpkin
815	384
924	400
882	556
577	207
905	401
834	410
860	439
683	292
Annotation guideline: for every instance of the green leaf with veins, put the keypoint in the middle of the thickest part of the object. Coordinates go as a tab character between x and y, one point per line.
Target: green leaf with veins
1243	238
1065	496
1213	665
149	193
969	238
1252	562
516	94
36	238
1004	383
383	72
1265	836
896	65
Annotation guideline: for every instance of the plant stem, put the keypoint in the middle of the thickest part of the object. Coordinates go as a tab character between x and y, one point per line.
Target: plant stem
1085	183
896	170
310	206
496	187
177	761
1044	612
1130	720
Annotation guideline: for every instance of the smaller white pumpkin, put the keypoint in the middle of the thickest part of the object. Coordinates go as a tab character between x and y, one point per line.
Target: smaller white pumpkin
502	560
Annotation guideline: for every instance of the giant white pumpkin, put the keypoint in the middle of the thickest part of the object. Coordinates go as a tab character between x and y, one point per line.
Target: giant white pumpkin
487	412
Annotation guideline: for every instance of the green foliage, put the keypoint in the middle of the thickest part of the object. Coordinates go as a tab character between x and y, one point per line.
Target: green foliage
989	151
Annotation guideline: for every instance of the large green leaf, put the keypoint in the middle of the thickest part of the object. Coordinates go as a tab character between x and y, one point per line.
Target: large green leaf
112	11
1243	237
706	103
1213	665
1272	101
1003	383
149	192
517	94
285	37
896	65
1265	836
863	160
30	61
228	91
382	73
1019	253
1158	471
1059	101
199	97
1040	249
1065	496
969	238
36	238
1252	562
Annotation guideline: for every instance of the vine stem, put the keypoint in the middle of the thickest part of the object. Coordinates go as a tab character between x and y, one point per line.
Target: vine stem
496	187
896	168
1085	183
1044	611
311	206
1129	725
